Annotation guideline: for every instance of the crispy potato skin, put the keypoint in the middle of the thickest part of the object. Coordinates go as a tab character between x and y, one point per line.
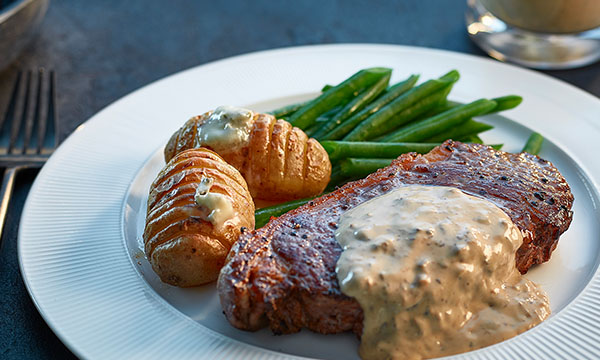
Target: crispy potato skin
279	162
183	247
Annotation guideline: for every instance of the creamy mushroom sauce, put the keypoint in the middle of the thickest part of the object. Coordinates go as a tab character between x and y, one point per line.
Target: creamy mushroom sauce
434	272
227	128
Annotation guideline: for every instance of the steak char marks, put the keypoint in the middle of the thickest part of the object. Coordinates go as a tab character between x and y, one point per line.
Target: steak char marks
283	274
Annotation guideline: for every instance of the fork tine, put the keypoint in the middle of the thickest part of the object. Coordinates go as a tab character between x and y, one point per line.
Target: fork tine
11	107
8	106
42	113
33	104
20	103
49	135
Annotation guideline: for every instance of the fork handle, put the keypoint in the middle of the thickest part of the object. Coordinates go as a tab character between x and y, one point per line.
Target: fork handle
8	182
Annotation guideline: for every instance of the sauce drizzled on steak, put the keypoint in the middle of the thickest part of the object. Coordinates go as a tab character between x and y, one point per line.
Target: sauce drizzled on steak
283	274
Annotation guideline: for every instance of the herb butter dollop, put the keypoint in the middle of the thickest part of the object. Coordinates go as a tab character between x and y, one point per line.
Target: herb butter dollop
434	272
219	206
226	129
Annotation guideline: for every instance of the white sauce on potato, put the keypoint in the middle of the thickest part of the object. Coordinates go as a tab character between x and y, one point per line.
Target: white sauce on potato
434	272
218	205
226	129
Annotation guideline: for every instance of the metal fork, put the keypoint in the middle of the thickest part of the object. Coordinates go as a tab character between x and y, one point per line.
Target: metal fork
28	129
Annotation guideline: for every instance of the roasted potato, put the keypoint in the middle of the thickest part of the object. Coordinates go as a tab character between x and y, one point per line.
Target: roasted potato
278	161
196	209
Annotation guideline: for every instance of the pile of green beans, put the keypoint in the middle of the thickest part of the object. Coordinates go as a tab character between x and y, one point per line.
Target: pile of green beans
364	123
379	122
342	129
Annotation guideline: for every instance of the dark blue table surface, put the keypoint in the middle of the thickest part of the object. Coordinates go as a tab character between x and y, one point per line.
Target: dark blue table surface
105	49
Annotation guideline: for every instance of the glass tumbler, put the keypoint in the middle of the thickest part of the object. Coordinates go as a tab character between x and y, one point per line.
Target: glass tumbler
542	34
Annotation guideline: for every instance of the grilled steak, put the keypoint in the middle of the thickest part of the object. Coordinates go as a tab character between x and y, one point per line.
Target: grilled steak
283	274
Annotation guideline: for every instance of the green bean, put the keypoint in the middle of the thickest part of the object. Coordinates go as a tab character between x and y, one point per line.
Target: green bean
506	103
473	139
321	120
338	150
502	103
262	216
292	108
403	117
306	115
325	117
336	178
470	127
357	104
534	144
440	109
358	168
392	93
311	130
287	110
372	123
426	128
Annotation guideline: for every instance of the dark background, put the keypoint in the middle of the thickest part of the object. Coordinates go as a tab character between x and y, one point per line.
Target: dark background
103	50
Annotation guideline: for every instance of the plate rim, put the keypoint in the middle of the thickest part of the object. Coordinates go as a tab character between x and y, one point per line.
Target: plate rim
267	53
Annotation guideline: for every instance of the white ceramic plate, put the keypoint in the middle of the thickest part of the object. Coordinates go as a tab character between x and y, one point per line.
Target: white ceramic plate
80	234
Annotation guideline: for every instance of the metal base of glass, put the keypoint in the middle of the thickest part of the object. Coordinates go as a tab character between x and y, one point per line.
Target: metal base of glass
535	50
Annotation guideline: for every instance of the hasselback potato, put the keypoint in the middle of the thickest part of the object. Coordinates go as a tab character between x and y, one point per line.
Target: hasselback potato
278	161
196	209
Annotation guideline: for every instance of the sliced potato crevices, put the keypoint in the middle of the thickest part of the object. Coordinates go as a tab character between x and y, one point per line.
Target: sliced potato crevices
183	246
